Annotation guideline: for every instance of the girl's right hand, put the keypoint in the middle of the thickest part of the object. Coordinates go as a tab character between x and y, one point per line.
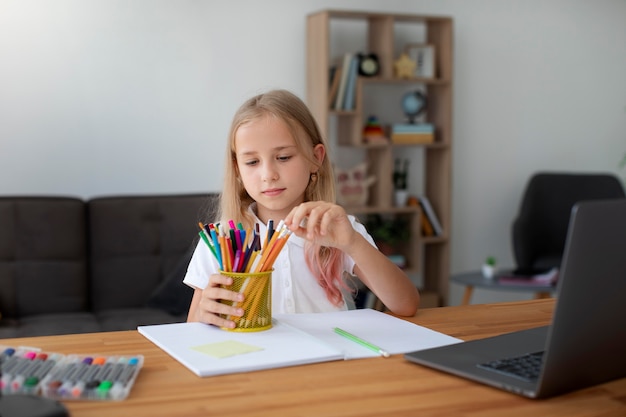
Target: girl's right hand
208	306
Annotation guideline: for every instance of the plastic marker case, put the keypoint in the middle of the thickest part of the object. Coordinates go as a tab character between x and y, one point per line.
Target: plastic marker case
26	370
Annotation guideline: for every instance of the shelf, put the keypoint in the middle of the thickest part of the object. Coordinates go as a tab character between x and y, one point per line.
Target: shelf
404	81
429	257
381	209
432	240
382	146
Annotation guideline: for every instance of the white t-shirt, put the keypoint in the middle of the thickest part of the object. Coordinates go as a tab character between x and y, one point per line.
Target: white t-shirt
294	288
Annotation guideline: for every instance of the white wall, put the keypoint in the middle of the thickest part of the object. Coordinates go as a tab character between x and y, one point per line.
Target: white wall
105	97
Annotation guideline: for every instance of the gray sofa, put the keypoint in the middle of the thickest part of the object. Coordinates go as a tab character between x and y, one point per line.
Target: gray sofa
109	263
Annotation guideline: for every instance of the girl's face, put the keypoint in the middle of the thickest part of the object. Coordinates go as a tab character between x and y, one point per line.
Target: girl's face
273	171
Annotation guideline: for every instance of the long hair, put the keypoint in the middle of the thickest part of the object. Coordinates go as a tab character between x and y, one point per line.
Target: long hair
325	263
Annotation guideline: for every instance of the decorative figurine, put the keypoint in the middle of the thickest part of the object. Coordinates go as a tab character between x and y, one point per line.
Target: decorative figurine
404	66
353	185
373	131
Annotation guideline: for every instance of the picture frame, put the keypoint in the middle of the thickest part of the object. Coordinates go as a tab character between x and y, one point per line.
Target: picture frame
423	54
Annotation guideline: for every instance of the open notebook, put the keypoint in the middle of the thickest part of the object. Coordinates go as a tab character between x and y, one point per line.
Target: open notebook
294	339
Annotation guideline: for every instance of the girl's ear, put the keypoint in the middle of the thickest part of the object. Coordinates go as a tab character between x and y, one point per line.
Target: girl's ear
319	152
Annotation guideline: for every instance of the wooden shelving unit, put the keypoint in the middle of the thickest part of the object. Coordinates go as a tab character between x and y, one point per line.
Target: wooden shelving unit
430	256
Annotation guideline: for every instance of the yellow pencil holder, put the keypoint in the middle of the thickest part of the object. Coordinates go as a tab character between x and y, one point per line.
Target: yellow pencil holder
257	304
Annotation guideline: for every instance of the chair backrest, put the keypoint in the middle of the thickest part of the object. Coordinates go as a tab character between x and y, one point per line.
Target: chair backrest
539	231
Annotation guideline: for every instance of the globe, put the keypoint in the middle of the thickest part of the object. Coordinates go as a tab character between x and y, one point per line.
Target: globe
413	104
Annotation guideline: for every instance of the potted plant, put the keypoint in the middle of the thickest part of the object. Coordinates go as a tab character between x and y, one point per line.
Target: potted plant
389	232
489	267
400	182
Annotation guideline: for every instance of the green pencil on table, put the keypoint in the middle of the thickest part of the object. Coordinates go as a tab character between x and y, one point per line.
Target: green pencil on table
361	342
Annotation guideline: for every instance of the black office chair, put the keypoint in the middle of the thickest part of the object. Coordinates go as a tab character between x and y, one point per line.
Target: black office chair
540	229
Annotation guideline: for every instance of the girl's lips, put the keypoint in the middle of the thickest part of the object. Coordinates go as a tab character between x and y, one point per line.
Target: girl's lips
273	192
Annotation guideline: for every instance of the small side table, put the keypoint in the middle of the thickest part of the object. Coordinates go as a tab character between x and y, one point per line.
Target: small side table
476	279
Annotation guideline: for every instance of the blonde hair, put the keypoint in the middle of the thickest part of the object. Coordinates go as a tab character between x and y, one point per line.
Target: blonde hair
325	263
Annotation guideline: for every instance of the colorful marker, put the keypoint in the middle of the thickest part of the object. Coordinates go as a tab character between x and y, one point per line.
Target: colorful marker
120	385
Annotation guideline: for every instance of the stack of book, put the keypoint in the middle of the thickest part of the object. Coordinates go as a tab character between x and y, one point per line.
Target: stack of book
412	134
343	83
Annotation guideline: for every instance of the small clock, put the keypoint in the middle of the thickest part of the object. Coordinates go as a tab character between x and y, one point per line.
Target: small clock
368	65
413	104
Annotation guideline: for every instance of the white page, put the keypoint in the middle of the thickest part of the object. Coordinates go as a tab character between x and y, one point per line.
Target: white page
281	346
387	332
294	339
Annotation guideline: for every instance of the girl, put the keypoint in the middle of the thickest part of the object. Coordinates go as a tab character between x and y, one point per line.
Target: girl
277	168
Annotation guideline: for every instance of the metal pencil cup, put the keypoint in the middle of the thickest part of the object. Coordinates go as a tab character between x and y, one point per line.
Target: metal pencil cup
257	304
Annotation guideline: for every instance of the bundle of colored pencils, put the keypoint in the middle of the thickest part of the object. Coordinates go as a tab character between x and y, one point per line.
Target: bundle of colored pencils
239	250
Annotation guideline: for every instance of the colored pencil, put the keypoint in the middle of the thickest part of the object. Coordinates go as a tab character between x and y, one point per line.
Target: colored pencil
240	250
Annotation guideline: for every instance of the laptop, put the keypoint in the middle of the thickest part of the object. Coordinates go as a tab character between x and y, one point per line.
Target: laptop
586	341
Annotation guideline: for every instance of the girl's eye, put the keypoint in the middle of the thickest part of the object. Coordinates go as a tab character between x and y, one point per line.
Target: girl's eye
283	158
252	162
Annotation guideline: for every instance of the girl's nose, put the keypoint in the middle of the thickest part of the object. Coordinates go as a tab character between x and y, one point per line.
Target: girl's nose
269	173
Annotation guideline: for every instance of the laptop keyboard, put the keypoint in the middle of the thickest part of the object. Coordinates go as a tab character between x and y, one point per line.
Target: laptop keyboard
526	367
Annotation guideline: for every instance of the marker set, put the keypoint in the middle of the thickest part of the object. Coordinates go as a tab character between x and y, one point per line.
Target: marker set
71	377
23	370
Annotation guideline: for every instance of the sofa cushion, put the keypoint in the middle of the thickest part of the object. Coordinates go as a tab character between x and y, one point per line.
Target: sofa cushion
59	323
8	328
132	237
43	266
172	295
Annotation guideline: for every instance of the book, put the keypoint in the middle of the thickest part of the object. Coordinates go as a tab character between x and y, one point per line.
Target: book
413	128
334	85
427	228
547	278
412	138
348	102
345	70
427	208
294	339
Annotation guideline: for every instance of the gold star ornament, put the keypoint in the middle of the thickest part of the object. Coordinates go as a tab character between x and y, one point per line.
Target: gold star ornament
404	67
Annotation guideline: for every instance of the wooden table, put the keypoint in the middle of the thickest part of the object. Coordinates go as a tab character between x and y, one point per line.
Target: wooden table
476	279
364	387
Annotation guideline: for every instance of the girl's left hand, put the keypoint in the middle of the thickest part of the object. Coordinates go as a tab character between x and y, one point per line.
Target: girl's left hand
323	223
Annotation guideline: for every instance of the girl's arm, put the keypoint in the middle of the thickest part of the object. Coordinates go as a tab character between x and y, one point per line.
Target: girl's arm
390	284
327	224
